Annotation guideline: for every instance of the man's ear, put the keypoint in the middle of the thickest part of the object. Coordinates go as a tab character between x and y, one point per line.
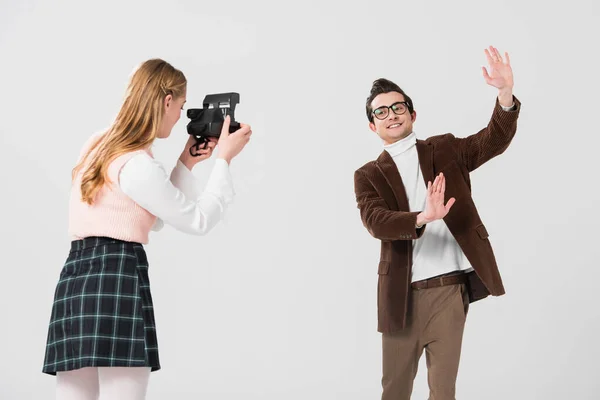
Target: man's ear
413	116
372	127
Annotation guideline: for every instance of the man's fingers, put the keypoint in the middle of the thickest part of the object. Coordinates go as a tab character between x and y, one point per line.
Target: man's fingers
494	53
438	183
486	76
434	185
498	55
507	57
489	57
451	202
443	185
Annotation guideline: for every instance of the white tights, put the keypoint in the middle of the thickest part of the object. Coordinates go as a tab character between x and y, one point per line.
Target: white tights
103	383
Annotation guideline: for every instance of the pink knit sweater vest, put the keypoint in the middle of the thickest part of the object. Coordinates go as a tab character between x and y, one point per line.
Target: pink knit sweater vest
113	214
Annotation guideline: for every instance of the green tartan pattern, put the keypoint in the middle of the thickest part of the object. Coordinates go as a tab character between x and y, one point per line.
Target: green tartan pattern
102	314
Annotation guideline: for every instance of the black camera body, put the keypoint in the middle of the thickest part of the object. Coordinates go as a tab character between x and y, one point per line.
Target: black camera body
208	121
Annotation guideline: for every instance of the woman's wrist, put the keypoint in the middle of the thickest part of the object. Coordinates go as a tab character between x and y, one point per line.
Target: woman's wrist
224	157
187	160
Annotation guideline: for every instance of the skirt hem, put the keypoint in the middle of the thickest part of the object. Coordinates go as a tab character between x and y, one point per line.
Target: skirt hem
96	364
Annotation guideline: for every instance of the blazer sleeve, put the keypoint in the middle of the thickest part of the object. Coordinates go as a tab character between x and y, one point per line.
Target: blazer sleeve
491	141
381	222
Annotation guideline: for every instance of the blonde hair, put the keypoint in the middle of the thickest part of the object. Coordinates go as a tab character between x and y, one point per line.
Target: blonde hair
137	124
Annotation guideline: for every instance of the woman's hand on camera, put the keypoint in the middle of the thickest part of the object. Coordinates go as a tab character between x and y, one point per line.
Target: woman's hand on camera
231	144
202	154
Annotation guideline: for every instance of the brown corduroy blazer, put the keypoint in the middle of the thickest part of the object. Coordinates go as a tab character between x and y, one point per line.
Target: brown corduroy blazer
384	211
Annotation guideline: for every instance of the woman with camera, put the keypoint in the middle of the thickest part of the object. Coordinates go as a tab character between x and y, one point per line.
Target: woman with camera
102	335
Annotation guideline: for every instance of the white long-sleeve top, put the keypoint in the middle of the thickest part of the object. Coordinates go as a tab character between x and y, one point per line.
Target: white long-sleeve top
176	199
436	252
141	196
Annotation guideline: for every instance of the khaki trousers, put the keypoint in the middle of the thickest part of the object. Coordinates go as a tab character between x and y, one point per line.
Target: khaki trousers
436	322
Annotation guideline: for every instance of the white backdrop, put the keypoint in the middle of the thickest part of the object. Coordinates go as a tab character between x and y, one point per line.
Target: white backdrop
279	301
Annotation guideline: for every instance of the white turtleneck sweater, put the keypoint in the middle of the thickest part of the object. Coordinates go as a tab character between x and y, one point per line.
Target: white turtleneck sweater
436	252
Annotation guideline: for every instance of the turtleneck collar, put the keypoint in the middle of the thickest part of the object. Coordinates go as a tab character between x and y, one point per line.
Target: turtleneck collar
401	145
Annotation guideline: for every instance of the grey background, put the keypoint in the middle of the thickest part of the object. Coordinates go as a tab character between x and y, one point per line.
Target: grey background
279	301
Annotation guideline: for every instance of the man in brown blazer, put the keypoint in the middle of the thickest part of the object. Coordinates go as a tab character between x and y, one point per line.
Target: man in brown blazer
435	256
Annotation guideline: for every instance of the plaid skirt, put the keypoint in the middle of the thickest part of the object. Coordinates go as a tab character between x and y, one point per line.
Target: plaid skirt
102	315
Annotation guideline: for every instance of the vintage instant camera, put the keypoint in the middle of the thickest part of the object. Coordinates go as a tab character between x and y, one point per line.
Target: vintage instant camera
208	121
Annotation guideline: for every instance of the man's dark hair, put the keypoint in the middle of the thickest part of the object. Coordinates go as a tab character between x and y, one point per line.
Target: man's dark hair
381	86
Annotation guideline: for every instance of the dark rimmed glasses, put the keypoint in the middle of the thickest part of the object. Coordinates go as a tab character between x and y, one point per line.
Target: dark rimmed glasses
398	108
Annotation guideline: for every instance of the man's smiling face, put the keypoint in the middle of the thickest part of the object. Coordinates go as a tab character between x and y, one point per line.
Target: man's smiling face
391	119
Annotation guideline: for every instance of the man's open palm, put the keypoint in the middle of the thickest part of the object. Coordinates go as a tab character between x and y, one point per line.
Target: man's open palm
434	205
500	73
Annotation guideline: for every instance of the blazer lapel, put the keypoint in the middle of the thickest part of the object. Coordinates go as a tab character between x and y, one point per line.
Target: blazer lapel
389	170
426	161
